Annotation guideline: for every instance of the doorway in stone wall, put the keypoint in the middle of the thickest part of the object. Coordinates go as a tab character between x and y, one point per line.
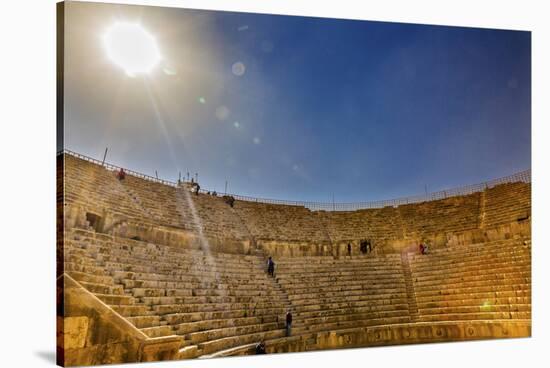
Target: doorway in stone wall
95	221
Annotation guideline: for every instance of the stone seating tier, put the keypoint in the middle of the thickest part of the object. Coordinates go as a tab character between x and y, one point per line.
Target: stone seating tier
178	282
92	186
507	203
220	301
478	281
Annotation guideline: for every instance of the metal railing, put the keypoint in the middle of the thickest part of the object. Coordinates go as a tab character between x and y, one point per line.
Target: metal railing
522	176
112	167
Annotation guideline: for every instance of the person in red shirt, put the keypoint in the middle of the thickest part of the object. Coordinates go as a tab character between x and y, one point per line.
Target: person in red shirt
121	174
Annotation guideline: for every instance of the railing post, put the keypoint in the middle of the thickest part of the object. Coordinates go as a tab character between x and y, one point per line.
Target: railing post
104	156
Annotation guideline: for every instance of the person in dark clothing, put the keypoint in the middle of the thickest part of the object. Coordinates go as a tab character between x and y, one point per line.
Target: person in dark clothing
363	246
270	267
230	200
423	248
260	348
121	174
288	322
349	249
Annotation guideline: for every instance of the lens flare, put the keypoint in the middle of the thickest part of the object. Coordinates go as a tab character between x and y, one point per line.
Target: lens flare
238	69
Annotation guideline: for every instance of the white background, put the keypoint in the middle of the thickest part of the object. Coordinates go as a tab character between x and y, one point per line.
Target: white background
27	193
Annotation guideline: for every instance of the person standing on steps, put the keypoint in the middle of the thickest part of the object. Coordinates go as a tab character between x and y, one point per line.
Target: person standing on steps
121	175
270	267
288	322
260	348
349	249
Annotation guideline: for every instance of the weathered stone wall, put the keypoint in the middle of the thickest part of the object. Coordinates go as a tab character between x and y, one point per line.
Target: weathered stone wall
91	333
75	216
417	333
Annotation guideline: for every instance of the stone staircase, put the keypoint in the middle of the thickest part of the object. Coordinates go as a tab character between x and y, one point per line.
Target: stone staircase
411	297
482	211
328	293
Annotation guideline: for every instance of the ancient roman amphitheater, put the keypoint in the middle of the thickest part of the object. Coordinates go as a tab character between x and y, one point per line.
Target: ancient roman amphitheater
148	270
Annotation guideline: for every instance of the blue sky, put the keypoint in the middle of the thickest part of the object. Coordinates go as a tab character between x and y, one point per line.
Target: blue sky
362	110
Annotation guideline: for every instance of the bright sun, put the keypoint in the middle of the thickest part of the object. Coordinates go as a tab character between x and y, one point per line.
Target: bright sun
132	48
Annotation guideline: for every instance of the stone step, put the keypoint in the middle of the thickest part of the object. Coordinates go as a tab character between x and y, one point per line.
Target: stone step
102	288
190	327
342	304
485	307
297	298
159	292
350	324
145	321
132	310
116	299
90	278
197	285
474	316
245	279
454	290
350	310
204	299
87	269
387	298
214	307
481	295
474	301
436	287
179	318
220	333
158	331
212	346
372	315
480	275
